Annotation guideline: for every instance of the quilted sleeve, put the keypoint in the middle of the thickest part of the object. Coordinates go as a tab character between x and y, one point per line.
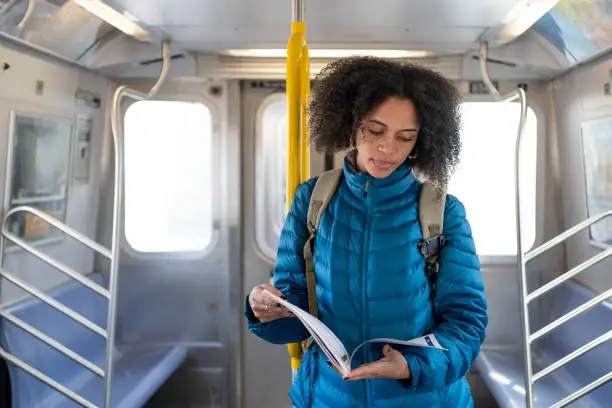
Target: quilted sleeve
289	274
460	307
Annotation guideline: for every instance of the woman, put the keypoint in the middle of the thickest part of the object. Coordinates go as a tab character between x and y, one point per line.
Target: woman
371	280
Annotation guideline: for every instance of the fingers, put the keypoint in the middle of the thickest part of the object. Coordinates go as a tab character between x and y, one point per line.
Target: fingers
267	313
258	297
265	308
392	365
270	289
366	371
268	317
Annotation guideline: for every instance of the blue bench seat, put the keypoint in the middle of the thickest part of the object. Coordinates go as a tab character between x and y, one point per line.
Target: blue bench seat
503	370
137	373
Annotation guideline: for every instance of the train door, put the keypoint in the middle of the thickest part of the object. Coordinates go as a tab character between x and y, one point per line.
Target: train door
264	133
179	269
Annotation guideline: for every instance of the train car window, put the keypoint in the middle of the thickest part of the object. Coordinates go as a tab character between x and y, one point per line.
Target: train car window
168	176
484	179
40	159
270	168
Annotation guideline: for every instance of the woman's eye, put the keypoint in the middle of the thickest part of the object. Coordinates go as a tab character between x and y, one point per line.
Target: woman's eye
376	132
405	139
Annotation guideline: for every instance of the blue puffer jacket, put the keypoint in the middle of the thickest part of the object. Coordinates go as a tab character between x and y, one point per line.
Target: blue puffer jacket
370	284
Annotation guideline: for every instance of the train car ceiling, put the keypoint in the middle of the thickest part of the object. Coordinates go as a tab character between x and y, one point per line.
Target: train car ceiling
529	39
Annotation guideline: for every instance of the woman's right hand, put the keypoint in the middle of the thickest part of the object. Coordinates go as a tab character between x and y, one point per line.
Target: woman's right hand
265	308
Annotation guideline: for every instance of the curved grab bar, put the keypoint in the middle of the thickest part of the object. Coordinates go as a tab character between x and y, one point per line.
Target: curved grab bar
27	15
117	129
522	97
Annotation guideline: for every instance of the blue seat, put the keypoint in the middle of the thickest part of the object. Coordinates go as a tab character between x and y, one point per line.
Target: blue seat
137	374
503	370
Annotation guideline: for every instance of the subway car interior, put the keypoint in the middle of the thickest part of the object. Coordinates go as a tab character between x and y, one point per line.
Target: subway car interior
169	131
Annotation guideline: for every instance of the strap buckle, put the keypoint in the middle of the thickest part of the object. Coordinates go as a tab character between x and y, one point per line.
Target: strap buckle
431	246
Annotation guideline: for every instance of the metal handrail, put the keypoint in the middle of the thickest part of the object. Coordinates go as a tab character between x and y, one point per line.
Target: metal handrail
54	303
56	264
573	355
48	380
83	239
566	235
527	337
26	16
584	390
53	343
569	274
585	307
522	97
117	129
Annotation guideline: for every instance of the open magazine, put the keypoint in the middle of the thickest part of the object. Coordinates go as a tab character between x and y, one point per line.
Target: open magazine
333	347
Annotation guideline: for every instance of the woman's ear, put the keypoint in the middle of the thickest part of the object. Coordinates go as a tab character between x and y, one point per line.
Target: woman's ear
414	154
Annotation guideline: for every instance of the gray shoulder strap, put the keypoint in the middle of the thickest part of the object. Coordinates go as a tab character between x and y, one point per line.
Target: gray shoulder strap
323	191
431	210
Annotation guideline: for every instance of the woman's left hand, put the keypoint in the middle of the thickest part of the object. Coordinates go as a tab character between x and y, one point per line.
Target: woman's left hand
393	365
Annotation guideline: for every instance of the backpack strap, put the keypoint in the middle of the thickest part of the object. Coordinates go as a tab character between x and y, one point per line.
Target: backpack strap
431	217
323	191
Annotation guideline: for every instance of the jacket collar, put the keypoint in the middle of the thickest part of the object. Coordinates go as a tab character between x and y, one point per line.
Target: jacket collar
396	184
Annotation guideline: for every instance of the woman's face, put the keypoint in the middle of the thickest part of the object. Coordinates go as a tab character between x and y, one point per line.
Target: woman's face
386	137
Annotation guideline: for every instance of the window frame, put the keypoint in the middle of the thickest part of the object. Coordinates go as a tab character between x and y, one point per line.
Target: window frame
215	162
541	160
35	112
586	121
263	251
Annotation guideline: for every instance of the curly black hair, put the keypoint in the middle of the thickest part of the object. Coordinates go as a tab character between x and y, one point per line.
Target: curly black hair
347	89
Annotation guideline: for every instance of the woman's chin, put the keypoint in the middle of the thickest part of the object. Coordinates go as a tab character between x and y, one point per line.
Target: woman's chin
380	173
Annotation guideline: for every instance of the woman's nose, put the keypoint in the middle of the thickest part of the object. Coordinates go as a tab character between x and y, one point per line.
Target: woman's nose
387	145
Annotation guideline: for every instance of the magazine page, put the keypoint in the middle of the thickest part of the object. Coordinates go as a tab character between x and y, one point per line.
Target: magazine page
333	347
429	341
325	338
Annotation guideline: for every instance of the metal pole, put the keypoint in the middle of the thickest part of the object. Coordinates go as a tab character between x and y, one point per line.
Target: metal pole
521	256
297	10
297	157
520	94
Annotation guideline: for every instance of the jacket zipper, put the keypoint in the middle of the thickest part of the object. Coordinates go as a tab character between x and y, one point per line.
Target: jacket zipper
364	272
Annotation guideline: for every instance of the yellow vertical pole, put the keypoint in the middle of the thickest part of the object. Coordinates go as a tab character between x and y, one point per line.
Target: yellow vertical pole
298	154
294	109
304	100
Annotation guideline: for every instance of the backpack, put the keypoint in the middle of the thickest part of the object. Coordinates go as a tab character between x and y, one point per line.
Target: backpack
431	219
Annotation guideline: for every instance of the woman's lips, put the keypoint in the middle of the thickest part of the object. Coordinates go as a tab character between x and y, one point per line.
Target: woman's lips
382	164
